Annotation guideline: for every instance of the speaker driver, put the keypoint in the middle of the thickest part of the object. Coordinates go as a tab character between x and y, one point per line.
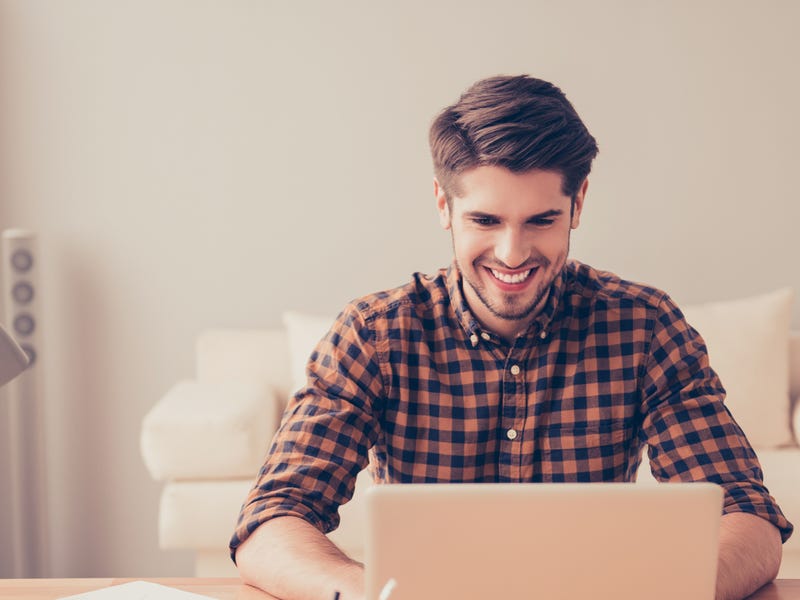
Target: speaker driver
22	260
22	292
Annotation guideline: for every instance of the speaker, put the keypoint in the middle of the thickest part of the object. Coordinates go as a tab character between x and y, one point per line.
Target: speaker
19	285
26	423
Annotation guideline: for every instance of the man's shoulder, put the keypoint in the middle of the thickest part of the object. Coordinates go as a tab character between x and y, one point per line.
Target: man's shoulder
587	283
423	294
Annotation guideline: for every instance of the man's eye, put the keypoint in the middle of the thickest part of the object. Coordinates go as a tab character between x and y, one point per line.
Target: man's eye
543	222
484	221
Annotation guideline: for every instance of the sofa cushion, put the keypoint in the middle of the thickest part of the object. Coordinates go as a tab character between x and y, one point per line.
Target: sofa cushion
252	355
209	430
200	514
780	476
796	421
748	346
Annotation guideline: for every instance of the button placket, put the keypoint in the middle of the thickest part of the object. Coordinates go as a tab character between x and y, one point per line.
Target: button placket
514	412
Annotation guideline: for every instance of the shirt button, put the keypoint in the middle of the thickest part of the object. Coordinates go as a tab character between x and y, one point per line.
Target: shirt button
474	339
486	336
515	369
543	334
511	434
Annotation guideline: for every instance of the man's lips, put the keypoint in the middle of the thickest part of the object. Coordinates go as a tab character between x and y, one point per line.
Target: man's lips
511	280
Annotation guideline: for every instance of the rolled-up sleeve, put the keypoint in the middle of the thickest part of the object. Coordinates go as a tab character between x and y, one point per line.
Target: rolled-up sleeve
324	438
690	433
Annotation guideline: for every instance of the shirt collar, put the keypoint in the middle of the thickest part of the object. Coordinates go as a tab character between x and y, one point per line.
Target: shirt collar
473	328
468	323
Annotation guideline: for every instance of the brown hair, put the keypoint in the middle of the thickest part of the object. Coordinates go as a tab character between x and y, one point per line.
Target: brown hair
517	122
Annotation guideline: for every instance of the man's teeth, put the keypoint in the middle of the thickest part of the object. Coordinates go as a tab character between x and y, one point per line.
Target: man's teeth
516	278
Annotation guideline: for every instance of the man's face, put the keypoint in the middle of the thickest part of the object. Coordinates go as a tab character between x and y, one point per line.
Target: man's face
510	236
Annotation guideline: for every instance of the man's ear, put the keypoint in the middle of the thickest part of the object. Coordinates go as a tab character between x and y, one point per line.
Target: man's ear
441	204
577	204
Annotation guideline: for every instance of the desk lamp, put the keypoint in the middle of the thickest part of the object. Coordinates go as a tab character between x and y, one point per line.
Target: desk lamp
13	359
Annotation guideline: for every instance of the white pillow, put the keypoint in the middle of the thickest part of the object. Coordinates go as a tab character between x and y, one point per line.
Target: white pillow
796	421
304	332
748	346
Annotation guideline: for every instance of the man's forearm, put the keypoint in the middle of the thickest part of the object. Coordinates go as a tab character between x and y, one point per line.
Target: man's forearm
749	555
292	560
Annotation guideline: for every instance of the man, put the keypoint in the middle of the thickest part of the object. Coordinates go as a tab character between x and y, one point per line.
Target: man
514	364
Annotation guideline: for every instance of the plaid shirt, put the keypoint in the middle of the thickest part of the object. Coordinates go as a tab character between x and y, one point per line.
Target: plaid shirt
410	377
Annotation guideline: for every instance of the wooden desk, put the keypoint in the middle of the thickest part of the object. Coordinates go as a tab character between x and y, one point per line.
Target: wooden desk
49	589
233	589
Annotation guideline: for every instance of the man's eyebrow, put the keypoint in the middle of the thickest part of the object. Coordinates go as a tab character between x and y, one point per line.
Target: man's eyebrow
477	214
553	212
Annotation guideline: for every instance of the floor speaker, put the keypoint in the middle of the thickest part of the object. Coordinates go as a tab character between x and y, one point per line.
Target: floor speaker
26	423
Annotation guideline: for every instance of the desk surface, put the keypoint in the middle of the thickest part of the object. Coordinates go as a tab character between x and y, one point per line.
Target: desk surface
233	589
49	589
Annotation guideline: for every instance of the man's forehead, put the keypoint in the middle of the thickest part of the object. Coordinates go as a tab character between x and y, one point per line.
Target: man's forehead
497	188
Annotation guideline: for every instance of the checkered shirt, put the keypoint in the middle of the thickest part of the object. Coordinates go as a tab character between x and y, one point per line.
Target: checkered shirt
410	382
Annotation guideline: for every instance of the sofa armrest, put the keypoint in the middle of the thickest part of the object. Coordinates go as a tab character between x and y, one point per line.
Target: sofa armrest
210	430
200	514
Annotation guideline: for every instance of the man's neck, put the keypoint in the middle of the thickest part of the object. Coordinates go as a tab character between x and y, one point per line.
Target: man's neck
507	329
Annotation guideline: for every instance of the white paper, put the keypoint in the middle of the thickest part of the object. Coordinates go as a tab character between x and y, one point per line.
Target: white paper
137	590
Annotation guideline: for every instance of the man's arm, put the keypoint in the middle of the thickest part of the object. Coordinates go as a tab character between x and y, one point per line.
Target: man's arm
311	470
749	555
292	560
693	437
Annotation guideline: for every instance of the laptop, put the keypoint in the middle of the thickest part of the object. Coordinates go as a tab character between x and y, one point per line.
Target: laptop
615	541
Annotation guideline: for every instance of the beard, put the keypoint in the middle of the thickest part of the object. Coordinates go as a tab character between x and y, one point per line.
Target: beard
513	307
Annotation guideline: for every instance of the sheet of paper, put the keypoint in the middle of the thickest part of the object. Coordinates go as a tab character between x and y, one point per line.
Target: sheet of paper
137	590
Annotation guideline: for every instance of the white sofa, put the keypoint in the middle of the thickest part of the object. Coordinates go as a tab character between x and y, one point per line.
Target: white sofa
207	437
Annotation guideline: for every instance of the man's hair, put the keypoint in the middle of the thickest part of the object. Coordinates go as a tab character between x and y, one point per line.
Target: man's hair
517	122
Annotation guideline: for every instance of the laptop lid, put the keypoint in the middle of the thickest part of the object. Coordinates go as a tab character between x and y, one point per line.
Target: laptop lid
565	541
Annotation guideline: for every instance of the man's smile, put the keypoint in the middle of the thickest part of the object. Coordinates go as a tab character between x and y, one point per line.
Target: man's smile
511	281
517	277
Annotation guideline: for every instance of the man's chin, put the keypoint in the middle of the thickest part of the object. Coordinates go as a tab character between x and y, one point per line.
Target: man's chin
514	314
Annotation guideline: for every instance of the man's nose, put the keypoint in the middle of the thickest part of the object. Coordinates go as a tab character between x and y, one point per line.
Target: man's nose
511	249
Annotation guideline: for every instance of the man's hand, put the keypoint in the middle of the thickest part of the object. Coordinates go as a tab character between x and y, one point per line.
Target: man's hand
749	555
290	559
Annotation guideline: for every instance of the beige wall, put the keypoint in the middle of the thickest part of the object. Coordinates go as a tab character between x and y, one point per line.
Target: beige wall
192	164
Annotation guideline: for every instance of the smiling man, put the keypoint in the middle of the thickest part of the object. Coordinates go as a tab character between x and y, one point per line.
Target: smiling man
510	236
514	364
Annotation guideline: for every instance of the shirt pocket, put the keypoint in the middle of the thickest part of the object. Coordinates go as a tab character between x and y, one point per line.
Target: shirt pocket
588	453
